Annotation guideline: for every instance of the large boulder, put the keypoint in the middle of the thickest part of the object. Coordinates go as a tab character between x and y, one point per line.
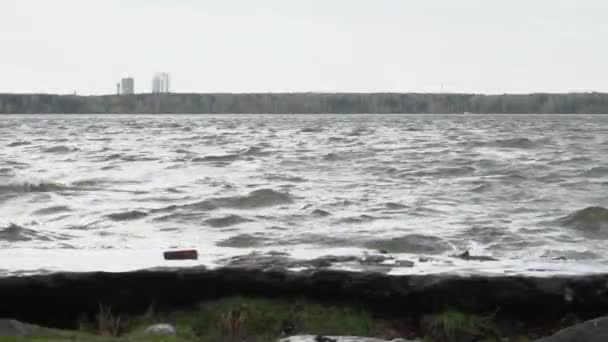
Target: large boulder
11	327
160	329
595	330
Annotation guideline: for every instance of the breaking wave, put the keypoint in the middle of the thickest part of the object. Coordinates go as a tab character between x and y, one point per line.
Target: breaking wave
226	221
411	243
590	219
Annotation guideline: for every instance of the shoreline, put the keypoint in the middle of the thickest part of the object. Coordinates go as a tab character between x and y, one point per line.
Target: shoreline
306	103
59	299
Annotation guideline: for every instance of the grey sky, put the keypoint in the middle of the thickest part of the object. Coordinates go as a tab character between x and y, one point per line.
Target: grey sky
484	46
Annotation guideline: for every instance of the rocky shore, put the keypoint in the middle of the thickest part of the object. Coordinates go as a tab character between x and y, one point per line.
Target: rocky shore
541	305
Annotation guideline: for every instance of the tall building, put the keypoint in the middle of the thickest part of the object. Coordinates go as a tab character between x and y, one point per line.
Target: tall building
127	86
161	83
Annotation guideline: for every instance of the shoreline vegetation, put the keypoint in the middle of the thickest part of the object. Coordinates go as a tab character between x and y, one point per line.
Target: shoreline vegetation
264	320
253	304
306	103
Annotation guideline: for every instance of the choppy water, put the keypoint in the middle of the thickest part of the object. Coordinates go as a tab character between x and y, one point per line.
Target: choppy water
112	192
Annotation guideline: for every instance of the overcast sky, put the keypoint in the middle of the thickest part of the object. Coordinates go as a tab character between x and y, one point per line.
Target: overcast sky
482	46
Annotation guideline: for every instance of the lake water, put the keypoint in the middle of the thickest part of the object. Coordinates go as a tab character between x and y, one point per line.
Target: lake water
112	192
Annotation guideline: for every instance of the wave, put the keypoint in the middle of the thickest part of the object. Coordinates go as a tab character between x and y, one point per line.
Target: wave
59	149
598	171
286	178
52	210
15	233
358	219
520	143
515	143
335	139
320	213
332	157
456	171
220	158
590	219
242	241
395	206
6	171
482	188
359	131
255	151
26	187
113	156
19	143
571	255
226	221
411	243
255	199
92	182
311	130
127	215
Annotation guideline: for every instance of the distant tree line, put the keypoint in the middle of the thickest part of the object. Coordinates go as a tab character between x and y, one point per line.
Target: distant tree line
305	103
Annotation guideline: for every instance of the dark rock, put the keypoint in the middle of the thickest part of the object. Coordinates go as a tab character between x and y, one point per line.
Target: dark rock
189	254
595	330
467	256
11	327
60	299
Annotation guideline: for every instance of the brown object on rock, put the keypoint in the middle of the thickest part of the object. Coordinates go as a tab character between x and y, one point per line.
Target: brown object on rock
189	254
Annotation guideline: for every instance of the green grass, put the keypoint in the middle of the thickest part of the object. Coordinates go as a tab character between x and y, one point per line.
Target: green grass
257	320
454	326
231	319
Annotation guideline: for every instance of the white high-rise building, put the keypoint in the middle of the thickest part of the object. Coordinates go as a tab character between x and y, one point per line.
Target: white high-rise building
161	83
127	86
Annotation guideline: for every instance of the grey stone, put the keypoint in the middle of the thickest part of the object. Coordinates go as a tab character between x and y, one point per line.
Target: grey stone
595	330
160	329
11	327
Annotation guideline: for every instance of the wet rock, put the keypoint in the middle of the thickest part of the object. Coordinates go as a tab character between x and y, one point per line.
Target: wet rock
539	299
595	330
189	254
467	256
11	327
160	329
